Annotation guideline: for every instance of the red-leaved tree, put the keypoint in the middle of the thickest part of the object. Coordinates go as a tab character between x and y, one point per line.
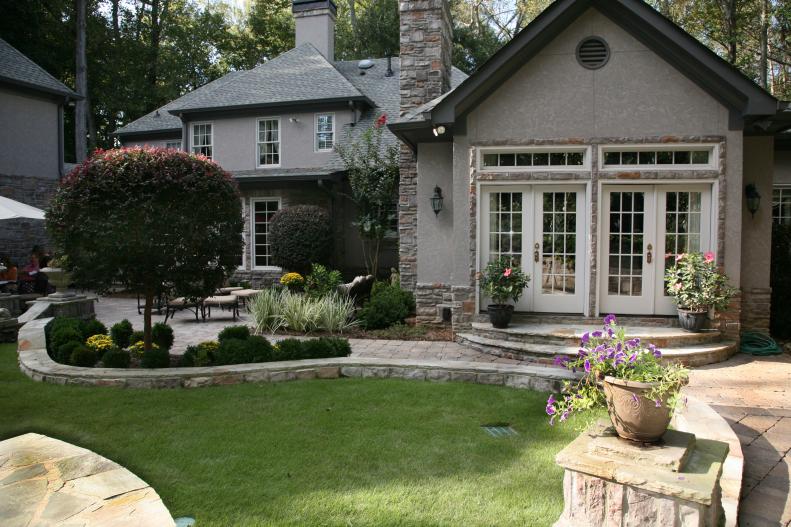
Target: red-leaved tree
152	220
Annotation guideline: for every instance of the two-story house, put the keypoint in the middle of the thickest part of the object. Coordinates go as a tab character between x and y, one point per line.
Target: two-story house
275	127
31	144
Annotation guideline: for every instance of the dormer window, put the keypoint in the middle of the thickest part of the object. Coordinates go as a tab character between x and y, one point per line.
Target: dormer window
325	132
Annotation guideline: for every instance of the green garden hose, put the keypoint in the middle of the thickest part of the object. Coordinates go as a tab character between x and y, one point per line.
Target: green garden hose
756	343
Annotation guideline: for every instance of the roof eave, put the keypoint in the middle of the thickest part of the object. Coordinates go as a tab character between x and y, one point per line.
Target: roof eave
67	94
158	131
280	104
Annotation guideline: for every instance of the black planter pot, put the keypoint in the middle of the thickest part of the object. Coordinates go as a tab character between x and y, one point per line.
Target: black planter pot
692	321
500	315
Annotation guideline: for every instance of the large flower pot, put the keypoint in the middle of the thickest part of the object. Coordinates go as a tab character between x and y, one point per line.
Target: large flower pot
635	416
692	321
500	315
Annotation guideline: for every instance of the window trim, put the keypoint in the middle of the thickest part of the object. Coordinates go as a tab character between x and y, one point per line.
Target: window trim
781	187
211	138
243	266
584	167
316	148
279	141
253	201
180	144
713	163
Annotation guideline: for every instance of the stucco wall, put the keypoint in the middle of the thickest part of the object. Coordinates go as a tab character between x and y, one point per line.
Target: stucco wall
28	135
782	175
235	140
434	245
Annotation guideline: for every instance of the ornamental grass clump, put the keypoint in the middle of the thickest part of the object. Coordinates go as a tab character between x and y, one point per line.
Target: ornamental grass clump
610	353
696	283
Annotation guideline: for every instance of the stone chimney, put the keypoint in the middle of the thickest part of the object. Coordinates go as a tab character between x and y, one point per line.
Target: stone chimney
426	43
315	23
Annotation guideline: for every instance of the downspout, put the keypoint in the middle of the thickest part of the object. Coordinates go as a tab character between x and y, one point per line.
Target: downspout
354	113
185	137
60	138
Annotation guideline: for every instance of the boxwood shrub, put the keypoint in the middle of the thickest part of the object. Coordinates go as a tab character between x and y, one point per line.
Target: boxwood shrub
92	327
155	358
300	236
162	336
234	332
116	358
389	304
121	333
83	356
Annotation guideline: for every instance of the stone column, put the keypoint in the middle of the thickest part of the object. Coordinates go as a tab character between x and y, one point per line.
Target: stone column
426	43
612	481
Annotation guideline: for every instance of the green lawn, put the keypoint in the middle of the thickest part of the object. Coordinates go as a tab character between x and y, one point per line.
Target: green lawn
337	452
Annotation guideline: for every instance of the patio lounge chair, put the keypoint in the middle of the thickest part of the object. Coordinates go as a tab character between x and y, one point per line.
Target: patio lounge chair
230	302
358	289
245	294
180	303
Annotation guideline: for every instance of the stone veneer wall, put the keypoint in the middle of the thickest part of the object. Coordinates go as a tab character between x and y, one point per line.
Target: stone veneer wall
433	299
756	308
425	75
17	237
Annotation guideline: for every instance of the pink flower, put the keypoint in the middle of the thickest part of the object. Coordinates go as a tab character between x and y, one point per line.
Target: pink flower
507	272
381	121
679	257
709	257
677	286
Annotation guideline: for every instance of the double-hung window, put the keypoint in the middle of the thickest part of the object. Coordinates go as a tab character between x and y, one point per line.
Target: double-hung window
268	142
262	210
202	139
781	205
325	132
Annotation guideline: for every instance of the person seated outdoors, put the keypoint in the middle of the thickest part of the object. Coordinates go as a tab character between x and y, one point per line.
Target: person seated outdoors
8	276
31	279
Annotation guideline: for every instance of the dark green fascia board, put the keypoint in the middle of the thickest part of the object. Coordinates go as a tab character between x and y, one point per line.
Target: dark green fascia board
283	106
164	133
63	96
718	78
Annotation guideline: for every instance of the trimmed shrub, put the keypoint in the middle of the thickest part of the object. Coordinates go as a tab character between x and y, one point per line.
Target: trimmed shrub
155	358
231	351
259	349
300	236
137	336
234	332
389	304
162	335
336	346
121	333
83	356
322	282
64	334
116	358
289	349
92	327
63	352
199	355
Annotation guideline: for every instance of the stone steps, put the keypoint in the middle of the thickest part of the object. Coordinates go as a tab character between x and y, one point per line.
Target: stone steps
579	320
532	350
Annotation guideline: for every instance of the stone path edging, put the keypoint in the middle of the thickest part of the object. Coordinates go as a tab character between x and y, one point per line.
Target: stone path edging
702	420
34	361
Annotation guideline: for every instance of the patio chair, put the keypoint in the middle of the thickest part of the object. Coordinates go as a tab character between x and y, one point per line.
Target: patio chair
228	290
181	303
230	302
358	289
245	294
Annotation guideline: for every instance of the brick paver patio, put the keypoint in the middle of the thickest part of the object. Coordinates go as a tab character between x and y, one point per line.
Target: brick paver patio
752	393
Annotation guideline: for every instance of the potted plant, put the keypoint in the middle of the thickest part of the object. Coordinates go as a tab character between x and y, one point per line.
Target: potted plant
639	390
502	282
293	281
697	286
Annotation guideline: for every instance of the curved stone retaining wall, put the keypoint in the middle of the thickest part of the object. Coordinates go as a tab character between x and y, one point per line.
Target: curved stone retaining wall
35	362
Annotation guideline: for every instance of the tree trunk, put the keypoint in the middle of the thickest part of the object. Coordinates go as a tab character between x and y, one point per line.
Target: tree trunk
81	81
353	21
763	65
731	25
147	320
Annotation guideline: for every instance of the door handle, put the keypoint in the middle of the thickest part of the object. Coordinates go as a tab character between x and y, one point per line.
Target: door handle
650	255
537	247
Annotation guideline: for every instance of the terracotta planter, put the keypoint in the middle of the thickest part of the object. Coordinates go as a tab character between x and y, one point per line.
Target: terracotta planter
500	315
634	416
692	321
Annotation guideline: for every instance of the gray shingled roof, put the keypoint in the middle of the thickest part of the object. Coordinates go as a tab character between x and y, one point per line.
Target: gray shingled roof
15	68
299	75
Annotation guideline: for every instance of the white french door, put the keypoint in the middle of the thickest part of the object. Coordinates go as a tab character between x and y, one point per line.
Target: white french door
644	227
542	229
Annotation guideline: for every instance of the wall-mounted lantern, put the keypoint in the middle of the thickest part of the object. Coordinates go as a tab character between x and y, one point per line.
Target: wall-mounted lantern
439	130
436	200
753	198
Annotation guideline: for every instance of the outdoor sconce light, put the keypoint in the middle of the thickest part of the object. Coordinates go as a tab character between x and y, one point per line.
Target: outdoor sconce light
753	199
439	130
436	200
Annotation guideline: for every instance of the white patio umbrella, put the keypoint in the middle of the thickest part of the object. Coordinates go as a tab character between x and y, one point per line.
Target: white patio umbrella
10	209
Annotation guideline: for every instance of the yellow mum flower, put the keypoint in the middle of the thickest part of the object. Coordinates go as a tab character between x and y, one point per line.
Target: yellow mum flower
100	343
292	279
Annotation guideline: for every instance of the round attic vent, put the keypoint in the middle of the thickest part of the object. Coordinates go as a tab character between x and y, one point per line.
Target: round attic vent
365	64
593	53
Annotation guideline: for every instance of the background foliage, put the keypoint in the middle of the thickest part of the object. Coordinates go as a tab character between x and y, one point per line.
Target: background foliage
144	53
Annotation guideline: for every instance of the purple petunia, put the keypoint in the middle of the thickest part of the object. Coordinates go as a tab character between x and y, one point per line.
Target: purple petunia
596	334
657	354
582	352
633	357
587	366
551	399
610	320
564	416
560	361
550	410
586	337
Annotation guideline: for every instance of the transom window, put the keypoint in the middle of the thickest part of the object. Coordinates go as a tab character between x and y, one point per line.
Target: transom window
325	132
268	142
781	205
202	139
535	159
659	157
262	212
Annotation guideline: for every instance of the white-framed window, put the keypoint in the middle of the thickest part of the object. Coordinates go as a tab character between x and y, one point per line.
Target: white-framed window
202	139
781	205
173	145
242	265
269	142
658	157
261	212
535	159
325	132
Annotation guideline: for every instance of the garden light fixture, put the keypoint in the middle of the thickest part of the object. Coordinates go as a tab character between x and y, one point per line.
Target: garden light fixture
436	200
753	198
439	130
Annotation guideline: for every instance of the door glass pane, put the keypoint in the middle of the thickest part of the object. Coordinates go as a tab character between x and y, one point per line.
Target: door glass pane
505	226
625	269
682	225
559	251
